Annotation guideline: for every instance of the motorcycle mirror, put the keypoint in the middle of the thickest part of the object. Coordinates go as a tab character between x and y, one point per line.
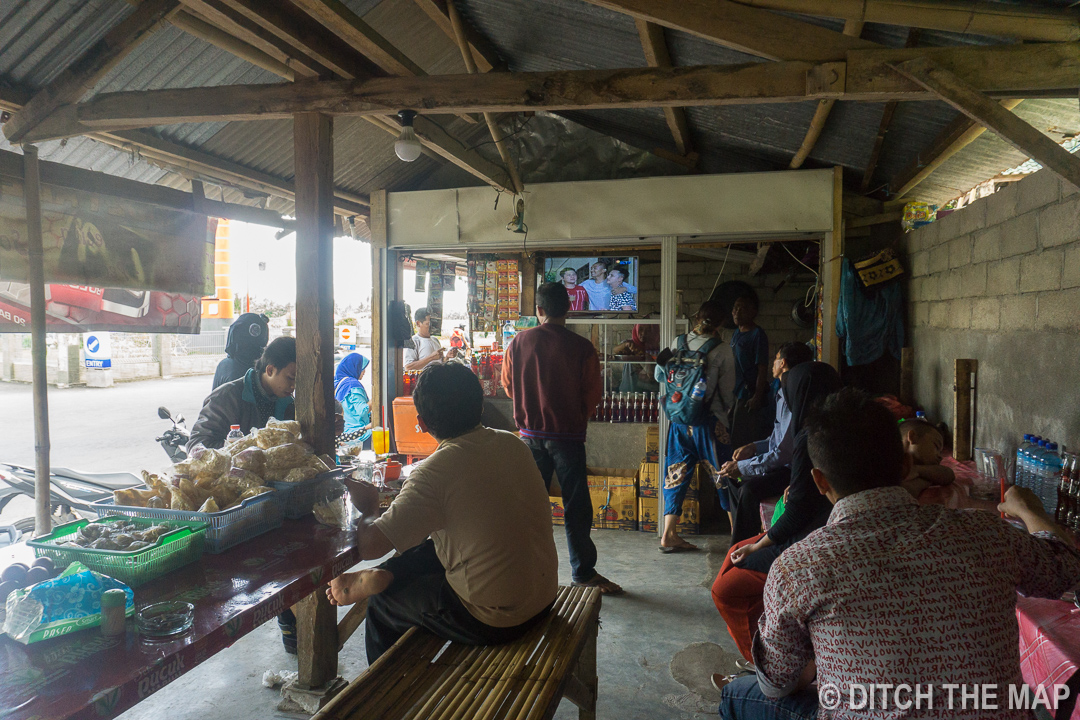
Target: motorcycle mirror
164	414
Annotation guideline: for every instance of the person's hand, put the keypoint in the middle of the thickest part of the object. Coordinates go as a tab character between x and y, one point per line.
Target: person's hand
730	469
1021	502
745	452
740	553
364	496
452	354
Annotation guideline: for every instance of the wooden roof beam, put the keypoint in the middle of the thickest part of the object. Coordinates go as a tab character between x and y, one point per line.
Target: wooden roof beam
996	19
483	53
208	32
746	29
336	17
80	76
656	55
991	115
883	127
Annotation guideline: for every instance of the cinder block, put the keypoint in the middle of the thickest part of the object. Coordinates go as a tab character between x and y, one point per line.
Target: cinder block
1059	310
985	313
973	280
1019	235
650	297
1037	190
960	251
960	313
919	263
1001	206
949	285
1003	277
1060	223
1041	271
1018	312
1071	273
702	282
649	270
930	288
987	245
939	315
920	314
939	259
948	226
1067	189
972	218
926	237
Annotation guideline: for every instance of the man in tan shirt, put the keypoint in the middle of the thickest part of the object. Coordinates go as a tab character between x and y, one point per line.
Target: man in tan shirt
472	525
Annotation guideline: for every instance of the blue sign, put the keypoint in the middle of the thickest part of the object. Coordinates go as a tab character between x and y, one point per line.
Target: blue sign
97	351
93	344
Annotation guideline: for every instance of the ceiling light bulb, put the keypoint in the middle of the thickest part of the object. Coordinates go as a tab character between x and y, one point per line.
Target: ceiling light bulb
407	146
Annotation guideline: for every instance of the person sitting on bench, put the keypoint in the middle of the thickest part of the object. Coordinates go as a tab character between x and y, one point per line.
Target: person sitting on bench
472	524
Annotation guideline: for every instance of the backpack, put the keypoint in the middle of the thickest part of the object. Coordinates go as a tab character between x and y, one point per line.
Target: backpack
685	368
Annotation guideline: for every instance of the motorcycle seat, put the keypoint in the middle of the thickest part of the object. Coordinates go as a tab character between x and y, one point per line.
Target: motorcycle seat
112	480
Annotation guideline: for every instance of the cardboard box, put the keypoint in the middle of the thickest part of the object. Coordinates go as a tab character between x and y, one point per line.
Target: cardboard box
652	439
648	516
558	514
649	481
614	498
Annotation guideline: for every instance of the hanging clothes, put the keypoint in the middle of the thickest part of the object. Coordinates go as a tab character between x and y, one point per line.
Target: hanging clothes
869	321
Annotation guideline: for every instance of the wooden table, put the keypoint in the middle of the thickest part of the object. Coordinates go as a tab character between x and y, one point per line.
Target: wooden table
85	675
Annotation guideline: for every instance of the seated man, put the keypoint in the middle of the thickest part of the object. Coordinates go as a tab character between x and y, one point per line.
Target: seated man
489	570
923	443
891	591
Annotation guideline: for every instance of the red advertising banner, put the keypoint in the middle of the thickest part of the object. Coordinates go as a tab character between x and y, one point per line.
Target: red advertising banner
81	308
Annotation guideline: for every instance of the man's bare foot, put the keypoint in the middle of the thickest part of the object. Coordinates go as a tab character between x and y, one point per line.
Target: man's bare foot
353	587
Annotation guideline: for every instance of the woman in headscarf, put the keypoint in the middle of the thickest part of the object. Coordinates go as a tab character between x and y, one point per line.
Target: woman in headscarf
739	588
354	400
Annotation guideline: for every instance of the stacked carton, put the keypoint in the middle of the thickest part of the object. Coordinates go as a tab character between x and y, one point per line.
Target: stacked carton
650	489
614	500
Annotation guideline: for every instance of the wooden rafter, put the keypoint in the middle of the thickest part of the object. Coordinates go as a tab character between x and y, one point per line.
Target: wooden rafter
656	55
883	127
996	19
852	28
336	17
749	30
208	32
80	76
483	53
991	115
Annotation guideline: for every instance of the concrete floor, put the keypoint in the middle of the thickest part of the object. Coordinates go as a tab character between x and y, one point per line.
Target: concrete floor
667	607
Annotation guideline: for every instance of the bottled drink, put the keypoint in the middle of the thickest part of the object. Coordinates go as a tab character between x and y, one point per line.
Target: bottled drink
1051	478
639	407
1018	470
234	435
1064	502
655	408
698	392
616	408
1023	459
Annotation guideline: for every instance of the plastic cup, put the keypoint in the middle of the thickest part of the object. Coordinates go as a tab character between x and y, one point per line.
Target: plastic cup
380	441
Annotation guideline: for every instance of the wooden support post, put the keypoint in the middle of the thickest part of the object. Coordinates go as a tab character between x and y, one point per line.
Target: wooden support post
963	395
351	622
36	257
907	375
378	228
582	685
832	256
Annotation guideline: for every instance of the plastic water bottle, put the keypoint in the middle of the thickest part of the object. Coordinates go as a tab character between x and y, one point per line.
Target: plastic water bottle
234	435
1021	460
698	392
508	333
1051	476
1027	478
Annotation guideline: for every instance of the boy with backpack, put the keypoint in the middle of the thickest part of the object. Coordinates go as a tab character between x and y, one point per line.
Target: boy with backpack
696	376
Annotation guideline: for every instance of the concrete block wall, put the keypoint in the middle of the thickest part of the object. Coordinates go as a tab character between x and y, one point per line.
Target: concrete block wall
999	281
695	280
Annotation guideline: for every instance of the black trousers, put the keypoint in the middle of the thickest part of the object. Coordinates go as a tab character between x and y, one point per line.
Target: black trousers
745	497
420	596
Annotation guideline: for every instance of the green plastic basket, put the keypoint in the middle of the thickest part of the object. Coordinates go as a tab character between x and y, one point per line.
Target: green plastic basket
172	550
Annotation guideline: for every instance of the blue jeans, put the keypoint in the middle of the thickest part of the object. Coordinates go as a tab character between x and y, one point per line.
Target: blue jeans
567	460
742	699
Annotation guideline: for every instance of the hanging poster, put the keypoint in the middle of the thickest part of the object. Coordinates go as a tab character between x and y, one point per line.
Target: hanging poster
81	308
101	241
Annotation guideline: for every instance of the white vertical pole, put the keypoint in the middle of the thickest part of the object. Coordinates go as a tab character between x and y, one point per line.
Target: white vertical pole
669	258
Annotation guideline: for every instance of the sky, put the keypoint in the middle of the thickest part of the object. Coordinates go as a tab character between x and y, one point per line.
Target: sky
254	244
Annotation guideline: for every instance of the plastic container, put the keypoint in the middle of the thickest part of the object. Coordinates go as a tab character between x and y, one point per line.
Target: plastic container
225	529
113	612
172	550
234	435
165	619
297	499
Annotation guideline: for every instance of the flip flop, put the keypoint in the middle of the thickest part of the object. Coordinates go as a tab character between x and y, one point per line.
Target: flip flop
599	581
678	548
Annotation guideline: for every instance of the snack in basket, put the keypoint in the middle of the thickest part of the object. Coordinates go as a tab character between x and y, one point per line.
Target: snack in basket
286	457
253	492
252	459
270	437
123	535
239	446
300	474
292	426
241	480
205	462
210	506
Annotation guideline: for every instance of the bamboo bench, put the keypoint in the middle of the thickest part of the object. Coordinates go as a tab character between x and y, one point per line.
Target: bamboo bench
425	677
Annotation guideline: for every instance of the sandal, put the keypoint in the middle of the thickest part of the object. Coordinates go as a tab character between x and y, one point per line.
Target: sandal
684	547
599	581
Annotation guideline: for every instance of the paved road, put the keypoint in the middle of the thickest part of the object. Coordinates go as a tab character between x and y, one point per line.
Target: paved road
97	429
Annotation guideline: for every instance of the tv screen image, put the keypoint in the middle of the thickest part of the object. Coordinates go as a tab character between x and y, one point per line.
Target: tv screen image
607	284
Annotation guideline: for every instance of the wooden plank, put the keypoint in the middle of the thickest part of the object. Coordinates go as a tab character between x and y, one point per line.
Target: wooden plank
484	54
991	115
313	151
997	19
962	397
883	127
80	76
749	30
316	640
527	267
656	55
208	32
336	17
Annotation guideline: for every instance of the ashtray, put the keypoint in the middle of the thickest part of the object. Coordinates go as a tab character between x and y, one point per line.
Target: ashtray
165	619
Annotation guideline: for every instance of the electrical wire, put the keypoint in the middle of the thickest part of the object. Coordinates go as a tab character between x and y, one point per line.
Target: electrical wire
721	274
798	260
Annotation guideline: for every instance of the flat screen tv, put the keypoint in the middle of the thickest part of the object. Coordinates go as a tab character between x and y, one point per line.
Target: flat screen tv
596	284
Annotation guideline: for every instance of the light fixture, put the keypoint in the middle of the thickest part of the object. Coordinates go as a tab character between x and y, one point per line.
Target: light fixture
407	146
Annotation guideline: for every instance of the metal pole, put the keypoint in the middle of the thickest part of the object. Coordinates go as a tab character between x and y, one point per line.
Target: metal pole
36	258
669	259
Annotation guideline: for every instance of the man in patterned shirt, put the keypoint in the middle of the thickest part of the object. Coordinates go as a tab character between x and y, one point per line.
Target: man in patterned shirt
892	592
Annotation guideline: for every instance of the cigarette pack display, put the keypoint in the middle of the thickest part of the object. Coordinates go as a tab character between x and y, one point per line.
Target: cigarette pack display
502	265
512	266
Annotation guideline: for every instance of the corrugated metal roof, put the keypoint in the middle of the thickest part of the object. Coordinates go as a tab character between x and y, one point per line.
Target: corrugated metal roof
39	38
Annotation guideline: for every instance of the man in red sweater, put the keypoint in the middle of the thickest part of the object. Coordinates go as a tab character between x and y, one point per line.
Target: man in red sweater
553	375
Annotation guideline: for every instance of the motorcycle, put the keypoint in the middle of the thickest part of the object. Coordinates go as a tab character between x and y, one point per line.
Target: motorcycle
70	491
174	440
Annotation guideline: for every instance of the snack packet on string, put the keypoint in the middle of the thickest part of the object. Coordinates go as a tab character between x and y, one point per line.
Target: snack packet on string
917	214
68	603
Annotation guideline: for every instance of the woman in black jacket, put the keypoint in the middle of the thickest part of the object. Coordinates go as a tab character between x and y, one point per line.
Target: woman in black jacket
737	591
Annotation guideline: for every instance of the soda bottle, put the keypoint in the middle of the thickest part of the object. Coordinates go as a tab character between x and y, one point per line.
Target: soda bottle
605	412
1063	503
654	408
234	435
639	407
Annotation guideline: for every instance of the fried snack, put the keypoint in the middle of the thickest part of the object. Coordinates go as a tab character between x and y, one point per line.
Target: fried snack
291	426
300	474
248	441
182	496
158	502
252	459
241	480
271	437
207	462
210	506
252	492
321	464
133	497
224	494
287	456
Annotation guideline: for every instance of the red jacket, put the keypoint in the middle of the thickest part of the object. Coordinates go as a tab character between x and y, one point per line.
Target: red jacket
553	375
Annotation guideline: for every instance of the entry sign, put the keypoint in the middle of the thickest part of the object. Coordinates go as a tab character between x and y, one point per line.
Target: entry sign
347	336
97	351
